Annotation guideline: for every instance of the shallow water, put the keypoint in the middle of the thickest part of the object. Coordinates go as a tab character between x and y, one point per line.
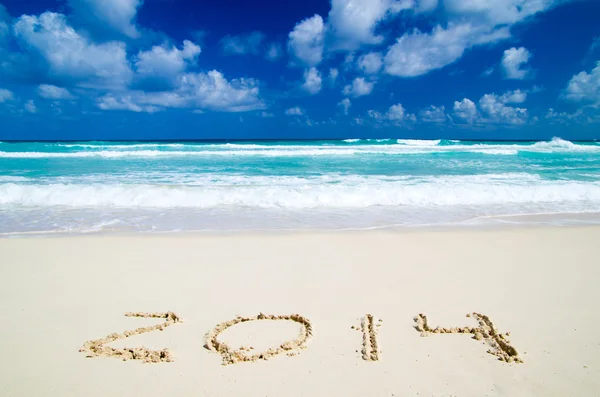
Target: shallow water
354	184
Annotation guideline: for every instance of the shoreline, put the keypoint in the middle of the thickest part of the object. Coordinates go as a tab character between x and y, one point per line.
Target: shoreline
496	222
66	294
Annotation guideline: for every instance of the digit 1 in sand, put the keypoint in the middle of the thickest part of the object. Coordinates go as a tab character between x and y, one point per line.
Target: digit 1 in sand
370	346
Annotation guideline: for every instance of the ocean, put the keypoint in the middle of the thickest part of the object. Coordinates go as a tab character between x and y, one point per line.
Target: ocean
86	187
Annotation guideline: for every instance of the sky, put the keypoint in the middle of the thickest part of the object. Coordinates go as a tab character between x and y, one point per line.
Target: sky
315	69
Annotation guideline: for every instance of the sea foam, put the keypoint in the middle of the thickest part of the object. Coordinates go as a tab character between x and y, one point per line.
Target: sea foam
429	192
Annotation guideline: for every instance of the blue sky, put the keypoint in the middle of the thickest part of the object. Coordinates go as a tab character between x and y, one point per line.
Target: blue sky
183	69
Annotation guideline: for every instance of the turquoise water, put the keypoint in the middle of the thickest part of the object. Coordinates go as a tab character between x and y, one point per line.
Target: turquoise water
184	186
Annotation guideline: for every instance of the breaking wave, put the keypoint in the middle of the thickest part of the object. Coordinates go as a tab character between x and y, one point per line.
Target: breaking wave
299	193
402	147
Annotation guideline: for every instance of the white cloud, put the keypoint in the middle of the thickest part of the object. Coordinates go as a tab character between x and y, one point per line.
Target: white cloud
585	87
497	112
333	74
426	5
470	23
5	95
53	92
353	22
208	91
516	96
266	114
466	110
70	55
579	117
127	102
312	81
359	87
496	12
248	43
375	114
396	114
30	106
493	109
306	41
295	111
370	63
433	114
166	63
348	61
513	61
118	15
274	52
345	104
417	53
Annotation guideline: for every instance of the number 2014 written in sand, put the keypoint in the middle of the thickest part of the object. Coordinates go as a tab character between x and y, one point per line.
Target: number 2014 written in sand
485	332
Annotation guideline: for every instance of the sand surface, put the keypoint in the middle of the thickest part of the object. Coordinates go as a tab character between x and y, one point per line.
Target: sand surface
320	314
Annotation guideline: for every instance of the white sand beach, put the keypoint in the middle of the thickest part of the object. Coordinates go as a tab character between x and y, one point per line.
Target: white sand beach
538	284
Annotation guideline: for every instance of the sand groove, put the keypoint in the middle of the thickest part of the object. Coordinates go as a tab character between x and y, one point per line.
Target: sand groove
97	348
232	356
370	347
487	331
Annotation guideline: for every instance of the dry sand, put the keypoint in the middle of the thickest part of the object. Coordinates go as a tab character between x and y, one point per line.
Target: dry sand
303	314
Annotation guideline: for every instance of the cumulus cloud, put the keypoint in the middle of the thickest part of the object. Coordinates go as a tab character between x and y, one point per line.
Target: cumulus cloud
516	96
345	104
30	106
200	91
333	74
418	53
359	87
295	111
118	15
470	23
48	91
70	55
466	110
513	61
585	87
306	41
165	64
370	63
433	114
5	95
248	43
396	114
353	22
495	111
125	102
312	81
